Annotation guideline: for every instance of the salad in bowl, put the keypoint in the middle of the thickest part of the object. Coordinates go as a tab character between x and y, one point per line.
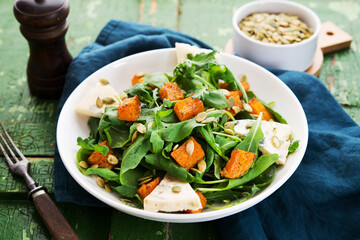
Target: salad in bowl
195	138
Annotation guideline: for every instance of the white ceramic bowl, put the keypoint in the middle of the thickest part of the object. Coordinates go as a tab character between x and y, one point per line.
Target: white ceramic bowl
119	73
298	56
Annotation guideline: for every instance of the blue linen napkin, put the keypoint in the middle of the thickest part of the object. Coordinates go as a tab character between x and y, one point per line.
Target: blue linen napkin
320	201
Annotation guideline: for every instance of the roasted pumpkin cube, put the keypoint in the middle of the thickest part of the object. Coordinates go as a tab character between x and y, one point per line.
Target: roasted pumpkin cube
238	104
258	107
147	188
171	91
138	78
188	156
130	109
238	164
188	108
96	158
203	203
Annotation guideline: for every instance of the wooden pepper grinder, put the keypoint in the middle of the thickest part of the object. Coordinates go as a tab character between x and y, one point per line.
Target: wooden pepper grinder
43	23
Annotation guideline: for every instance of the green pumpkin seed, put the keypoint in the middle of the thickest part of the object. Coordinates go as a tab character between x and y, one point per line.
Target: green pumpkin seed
176	189
99	102
103	81
108	100
83	164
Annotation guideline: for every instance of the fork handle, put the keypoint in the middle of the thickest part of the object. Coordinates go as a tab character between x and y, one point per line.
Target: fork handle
53	218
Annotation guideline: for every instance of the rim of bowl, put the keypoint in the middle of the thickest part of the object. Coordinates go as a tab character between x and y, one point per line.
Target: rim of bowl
299	6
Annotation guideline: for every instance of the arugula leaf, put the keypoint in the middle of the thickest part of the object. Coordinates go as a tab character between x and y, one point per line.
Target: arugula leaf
103	172
140	90
133	155
294	146
125	191
93	124
252	139
156	79
88	144
157	161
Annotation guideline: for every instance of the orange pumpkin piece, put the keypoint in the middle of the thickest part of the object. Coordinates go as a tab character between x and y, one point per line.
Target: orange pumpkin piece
96	158
171	91
184	159
188	108
238	164
246	87
236	95
258	107
130	109
147	188
138	78
203	203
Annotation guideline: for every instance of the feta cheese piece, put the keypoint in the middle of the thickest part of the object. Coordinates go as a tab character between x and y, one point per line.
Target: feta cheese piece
87	105
276	137
164	199
183	49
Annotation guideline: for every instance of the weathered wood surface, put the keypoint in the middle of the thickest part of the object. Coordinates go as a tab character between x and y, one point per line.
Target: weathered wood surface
31	121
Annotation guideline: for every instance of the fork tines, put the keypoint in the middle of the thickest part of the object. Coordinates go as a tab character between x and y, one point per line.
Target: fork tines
9	148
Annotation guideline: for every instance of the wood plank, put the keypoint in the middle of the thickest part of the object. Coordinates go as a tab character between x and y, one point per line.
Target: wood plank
162	13
19	220
33	139
138	229
41	170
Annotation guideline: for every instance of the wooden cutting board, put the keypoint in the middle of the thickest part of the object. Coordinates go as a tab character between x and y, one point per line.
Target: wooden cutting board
331	39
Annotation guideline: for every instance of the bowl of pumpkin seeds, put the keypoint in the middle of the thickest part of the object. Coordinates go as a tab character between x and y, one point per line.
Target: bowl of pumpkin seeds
276	34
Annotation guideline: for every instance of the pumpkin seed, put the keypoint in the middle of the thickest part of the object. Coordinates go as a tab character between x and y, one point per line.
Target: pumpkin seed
248	125
145	181
108	188
225	92
243	78
201	165
176	189
236	109
176	147
144	178
190	146
108	100
123	96
112	159
100	182
134	136
195	170
150	125
210	110
247	107
103	81
141	128
229	131
124	199
83	164
229	125
275	28
94	166
200	117
275	141
230	102
207	120
99	102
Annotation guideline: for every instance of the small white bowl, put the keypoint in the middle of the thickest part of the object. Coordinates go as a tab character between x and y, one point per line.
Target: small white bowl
297	56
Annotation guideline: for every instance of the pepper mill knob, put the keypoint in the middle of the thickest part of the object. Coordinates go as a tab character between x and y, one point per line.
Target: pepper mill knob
43	23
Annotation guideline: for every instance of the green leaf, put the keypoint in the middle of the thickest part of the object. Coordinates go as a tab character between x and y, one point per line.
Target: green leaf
252	139
156	79
157	161
140	90
93	124
126	191
88	144
156	141
133	155
294	146
217	166
118	137
103	172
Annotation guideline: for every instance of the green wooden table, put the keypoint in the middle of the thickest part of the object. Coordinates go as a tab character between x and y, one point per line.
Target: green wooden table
31	121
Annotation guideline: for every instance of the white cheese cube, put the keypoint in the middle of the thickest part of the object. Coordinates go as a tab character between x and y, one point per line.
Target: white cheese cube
163	199
87	104
276	137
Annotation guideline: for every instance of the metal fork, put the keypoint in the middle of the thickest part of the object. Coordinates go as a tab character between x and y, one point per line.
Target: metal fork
51	215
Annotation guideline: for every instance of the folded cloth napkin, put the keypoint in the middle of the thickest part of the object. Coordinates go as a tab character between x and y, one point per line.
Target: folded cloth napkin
320	201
